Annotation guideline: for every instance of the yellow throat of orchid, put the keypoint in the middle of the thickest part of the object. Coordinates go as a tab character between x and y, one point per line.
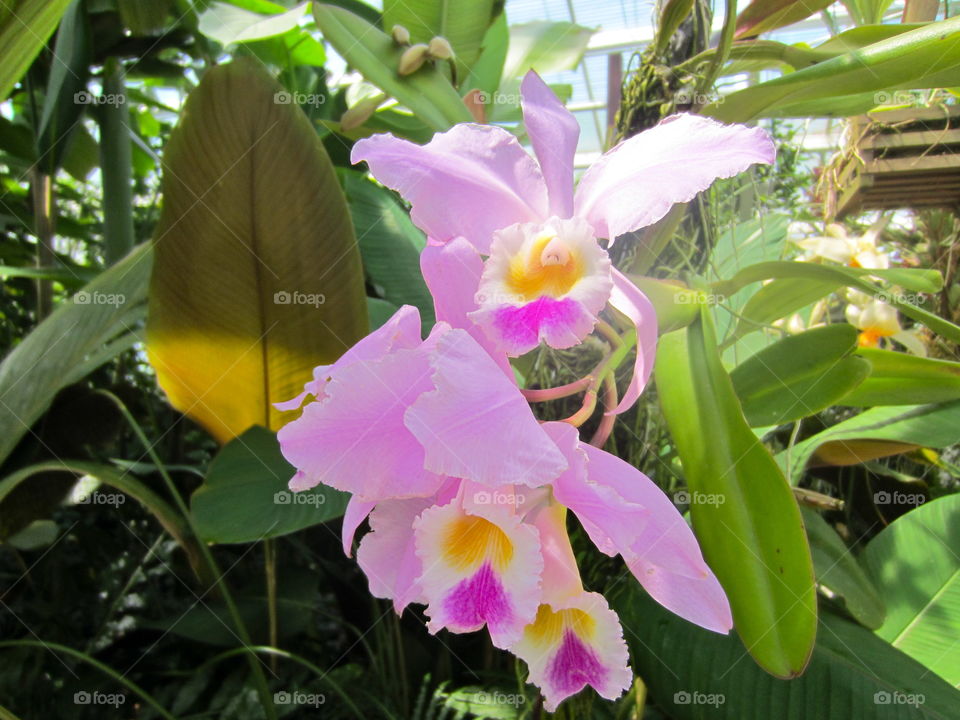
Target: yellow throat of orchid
548	627
549	267
469	540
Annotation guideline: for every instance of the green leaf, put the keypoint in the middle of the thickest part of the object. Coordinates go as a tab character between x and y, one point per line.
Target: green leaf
753	537
390	245
25	27
778	299
916	58
671	17
838	570
916	565
244	497
379	311
878	432
144	17
764	15
545	46
799	375
694	674
486	72
257	277
116	157
901	379
463	24
228	24
426	92
81	334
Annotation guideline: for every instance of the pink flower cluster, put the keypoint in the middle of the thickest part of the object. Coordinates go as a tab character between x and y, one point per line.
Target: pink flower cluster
467	494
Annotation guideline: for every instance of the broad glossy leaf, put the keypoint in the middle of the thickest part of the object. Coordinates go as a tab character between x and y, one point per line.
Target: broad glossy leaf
915	58
228	24
765	15
901	379
916	564
486	72
694	674
257	277
25	27
754	539
93	326
545	46
244	497
426	92
878	432
778	299
462	23
839	571
799	375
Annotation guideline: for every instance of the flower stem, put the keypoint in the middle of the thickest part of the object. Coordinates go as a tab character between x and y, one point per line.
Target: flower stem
608	366
602	434
561	391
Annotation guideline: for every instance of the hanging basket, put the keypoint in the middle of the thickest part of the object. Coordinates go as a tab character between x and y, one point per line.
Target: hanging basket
901	159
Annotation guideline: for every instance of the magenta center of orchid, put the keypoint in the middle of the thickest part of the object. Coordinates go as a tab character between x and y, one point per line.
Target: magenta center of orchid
575	665
478	600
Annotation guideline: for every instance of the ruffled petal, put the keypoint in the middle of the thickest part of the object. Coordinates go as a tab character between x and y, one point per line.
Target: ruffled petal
480	568
387	555
476	425
400	331
553	132
356	512
572	644
638	181
356	441
467	182
630	300
452	272
542	282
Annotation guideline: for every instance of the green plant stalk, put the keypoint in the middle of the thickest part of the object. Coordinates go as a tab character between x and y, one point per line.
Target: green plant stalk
723	47
263	689
41	191
270	568
105	669
116	162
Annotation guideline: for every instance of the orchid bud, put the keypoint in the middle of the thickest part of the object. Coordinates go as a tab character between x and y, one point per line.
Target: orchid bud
412	59
400	35
440	49
357	115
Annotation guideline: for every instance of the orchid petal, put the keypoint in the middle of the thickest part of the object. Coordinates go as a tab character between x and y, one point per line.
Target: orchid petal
561	576
356	512
387	554
468	181
452	272
553	132
630	300
638	181
573	644
475	409
480	568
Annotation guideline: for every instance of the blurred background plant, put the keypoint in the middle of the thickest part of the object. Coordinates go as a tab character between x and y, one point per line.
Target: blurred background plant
184	238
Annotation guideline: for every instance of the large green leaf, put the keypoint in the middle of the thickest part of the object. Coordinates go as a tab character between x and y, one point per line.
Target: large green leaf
916	58
778	299
545	46
426	92
462	23
765	15
754	539
878	432
694	674
82	333
257	276
916	563
839	571
390	245
799	375
900	379
244	497
228	24
25	26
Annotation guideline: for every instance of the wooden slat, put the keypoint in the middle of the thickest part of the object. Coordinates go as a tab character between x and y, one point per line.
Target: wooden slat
921	138
914	164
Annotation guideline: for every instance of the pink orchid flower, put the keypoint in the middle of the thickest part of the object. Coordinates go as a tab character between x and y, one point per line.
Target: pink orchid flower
476	193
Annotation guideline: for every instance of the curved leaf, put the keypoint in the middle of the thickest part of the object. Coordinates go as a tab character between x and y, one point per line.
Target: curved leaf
752	535
25	27
257	276
765	15
915	562
901	379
